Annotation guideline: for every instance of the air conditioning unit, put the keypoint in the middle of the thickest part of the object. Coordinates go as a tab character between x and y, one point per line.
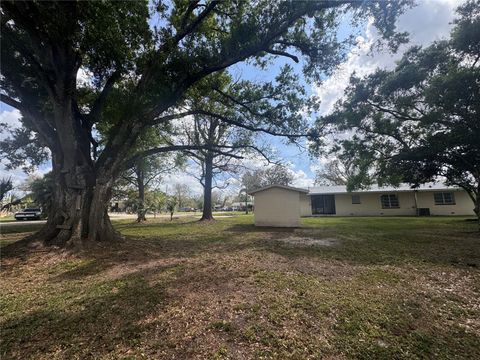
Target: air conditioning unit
423	212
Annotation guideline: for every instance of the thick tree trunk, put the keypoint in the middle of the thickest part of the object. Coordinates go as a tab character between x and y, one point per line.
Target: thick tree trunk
82	190
207	189
79	210
141	211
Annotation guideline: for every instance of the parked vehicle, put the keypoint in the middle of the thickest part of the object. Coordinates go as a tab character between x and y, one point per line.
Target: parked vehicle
29	214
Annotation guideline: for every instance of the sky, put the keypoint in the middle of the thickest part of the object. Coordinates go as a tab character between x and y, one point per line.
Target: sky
430	20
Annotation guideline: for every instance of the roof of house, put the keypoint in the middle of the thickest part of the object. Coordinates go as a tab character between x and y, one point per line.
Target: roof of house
278	186
341	189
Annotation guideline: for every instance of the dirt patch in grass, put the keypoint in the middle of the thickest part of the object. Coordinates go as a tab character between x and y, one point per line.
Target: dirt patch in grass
306	241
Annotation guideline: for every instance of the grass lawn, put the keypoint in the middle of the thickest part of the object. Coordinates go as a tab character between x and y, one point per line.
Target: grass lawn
391	288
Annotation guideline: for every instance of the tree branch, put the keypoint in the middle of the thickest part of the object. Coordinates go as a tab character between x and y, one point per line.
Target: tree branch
192	6
248	127
166	118
394	113
11	102
99	103
193	25
283	53
257	149
231	98
171	148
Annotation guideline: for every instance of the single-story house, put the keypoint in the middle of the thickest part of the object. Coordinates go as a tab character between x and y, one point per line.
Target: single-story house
279	205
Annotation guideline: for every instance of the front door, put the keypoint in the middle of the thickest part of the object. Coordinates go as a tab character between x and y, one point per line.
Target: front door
323	204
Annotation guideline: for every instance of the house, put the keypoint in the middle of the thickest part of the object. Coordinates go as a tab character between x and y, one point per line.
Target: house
279	205
428	199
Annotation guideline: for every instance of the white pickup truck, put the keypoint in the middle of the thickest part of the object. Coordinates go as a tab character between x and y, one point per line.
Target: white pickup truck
28	214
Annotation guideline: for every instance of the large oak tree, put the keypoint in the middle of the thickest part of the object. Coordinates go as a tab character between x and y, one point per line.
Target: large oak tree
420	121
45	44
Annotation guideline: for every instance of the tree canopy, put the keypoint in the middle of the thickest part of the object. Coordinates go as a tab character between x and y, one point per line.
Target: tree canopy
420	121
277	174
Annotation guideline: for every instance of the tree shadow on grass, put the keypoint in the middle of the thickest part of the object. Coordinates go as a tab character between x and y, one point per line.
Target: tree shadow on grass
250	228
20	250
107	316
134	254
136	225
90	268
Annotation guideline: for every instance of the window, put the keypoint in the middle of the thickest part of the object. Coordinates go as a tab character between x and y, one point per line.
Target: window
389	201
355	199
444	198
323	204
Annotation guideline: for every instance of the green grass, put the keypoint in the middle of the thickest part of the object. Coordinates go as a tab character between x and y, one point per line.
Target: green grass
19	227
383	288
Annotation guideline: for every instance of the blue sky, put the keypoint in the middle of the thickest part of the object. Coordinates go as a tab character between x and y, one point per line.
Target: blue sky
428	21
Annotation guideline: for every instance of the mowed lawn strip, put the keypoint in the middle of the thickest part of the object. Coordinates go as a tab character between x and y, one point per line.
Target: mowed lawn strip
393	288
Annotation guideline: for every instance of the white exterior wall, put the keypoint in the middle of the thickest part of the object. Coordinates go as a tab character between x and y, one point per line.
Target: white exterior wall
277	207
463	204
305	205
370	204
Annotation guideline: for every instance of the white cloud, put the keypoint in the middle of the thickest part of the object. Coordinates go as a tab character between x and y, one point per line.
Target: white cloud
301	179
425	23
181	178
84	77
11	119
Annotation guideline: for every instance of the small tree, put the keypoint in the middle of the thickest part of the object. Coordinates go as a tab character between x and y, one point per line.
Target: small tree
42	192
171	204
336	172
6	185
245	198
275	175
146	173
157	200
182	194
